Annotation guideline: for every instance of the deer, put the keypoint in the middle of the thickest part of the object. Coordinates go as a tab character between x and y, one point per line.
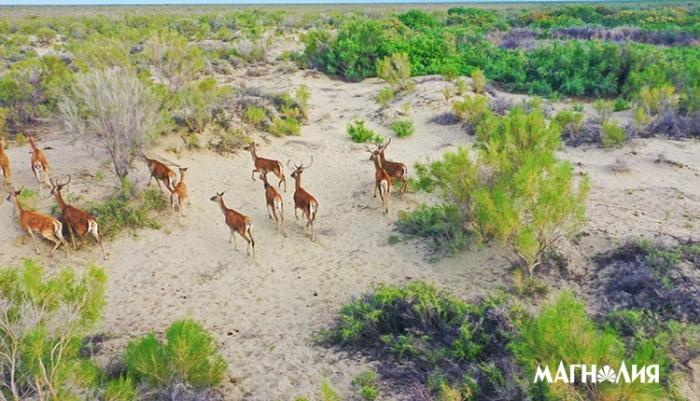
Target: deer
303	200
237	223
263	165
35	222
40	164
179	194
78	221
160	172
396	170
5	164
382	180
274	202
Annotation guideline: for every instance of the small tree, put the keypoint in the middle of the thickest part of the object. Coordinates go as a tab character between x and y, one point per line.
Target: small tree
42	324
396	71
110	110
174	61
478	81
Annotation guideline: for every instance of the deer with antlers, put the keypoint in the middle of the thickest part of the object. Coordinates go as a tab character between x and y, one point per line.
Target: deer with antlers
4	163
303	200
396	170
34	222
265	166
382	180
160	172
237	223
78	221
274	202
40	164
179	194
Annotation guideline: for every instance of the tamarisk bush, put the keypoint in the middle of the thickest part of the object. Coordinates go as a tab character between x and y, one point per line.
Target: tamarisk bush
110	110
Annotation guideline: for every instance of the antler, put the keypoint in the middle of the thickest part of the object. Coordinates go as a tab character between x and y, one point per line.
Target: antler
310	163
383	147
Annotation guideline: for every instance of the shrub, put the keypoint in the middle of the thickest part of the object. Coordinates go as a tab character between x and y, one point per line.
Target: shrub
255	116
284	126
46	35
228	140
478	81
385	96
657	101
122	210
621	105
175	62
361	134
198	102
302	96
396	71
43	319
187	356
603	108
111	110
403	128
472	110
440	228
366	385
460	87
612	134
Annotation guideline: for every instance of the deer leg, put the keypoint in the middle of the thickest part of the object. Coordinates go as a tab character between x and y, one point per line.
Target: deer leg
36	244
376	187
249	239
233	237
94	231
252	174
296	216
72	237
269	216
59	234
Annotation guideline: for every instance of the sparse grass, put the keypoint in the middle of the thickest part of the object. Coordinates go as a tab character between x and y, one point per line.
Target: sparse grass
255	116
385	96
612	134
282	126
440	228
366	385
123	210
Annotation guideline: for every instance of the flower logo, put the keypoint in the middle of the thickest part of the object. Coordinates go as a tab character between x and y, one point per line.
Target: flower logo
606	374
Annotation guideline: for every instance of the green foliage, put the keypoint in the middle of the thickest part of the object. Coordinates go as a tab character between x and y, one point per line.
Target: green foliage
328	393
396	71
120	389
604	108
403	128
281	126
472	110
39	342
478	81
366	385
440	227
569	119
361	134
228	140
189	356
255	116
46	35
656	101
563	332
612	134
123	210
198	102
385	96
621	105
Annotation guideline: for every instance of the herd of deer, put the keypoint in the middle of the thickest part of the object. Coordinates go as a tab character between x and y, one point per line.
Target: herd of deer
82	223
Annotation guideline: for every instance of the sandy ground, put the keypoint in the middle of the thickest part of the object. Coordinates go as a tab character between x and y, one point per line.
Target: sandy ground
264	312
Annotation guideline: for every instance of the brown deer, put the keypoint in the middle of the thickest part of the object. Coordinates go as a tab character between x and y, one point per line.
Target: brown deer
160	172
34	222
237	223
179	194
4	163
382	180
265	166
40	164
274	202
303	200
396	170
78	221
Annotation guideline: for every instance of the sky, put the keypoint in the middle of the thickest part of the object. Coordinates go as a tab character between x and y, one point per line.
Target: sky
86	2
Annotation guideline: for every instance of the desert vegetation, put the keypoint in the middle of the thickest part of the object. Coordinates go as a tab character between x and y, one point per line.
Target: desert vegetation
535	169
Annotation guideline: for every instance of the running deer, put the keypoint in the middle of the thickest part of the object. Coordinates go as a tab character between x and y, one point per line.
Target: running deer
396	170
265	166
274	202
78	221
40	164
178	195
382	180
4	163
303	200
34	222
237	223
160	172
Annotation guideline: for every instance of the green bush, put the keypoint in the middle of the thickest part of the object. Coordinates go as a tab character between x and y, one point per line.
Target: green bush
188	355
40	342
255	116
603	108
403	128
366	385
441	228
361	134
385	96
46	35
612	134
122	210
282	126
198	102
478	81
396	71
472	110
656	101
